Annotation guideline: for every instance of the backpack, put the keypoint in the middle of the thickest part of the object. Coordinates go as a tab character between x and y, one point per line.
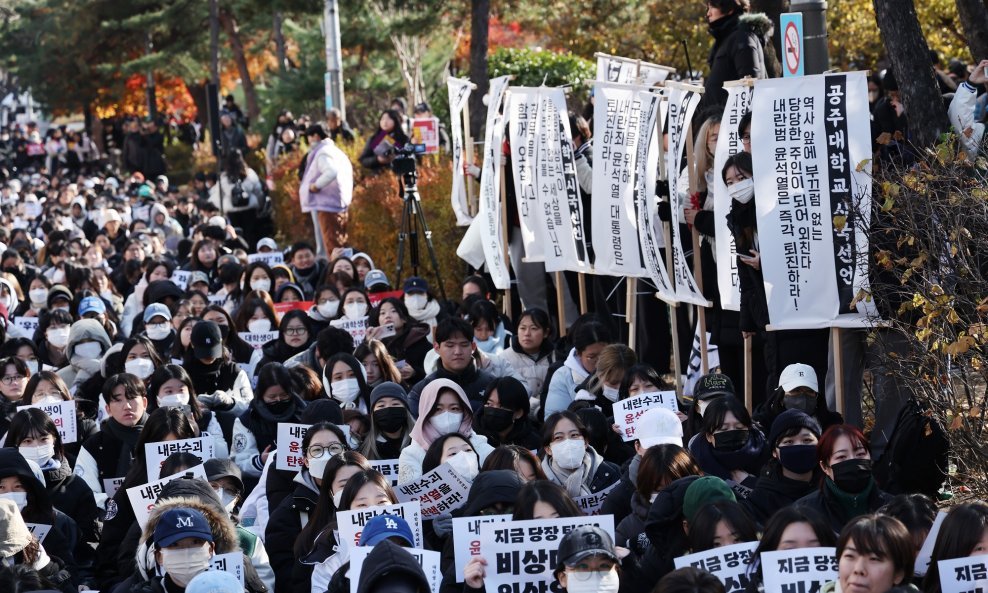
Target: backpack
915	459
239	197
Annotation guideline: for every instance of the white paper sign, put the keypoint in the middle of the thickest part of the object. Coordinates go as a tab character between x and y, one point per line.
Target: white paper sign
156	453
111	485
964	575
459	94
357	328
628	71
440	491
232	562
729	564
27	325
926	552
490	188
143	498
39	530
466	539
387	467
427	559
523	130
591	503
524	552
271	258
289	453
803	569
181	278
627	411
258	339
351	523
63	415
728	144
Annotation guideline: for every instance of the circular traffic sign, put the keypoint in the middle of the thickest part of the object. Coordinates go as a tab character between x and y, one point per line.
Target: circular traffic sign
792	47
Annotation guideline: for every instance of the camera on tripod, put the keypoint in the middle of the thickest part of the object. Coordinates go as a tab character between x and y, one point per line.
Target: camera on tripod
404	159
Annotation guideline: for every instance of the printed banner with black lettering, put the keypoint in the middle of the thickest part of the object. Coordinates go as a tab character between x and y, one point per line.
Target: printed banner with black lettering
926	550
440	491
523	134
459	94
357	328
728	144
591	503
694	368
682	103
63	415
964	575
810	135
271	258
387	468
558	190
628	71
490	188
351	523
617	124
802	570
258	339
466	539
729	564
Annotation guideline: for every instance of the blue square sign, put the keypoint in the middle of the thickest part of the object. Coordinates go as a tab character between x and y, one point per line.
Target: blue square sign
791	25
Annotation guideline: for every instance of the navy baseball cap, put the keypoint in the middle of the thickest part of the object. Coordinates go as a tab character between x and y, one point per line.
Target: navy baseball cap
91	304
383	527
415	284
178	524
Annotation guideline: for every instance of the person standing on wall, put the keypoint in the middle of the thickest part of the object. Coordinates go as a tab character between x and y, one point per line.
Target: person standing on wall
327	187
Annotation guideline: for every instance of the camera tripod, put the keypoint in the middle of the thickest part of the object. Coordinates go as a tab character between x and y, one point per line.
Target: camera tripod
413	222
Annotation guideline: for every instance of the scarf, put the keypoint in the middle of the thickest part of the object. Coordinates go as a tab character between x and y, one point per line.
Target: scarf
852	505
127	435
720	463
426	314
575	481
580	375
263	424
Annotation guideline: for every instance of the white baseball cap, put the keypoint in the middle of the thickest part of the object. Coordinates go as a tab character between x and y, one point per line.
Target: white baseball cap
798	375
659	426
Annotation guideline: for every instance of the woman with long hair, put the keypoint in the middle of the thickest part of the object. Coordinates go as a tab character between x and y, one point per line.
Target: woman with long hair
239	194
378	152
391	422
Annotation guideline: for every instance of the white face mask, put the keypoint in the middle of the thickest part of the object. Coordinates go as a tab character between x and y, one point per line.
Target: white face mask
175	399
41	454
47	400
465	464
39	296
569	454
447	422
261	284
329	309
89	350
228	499
259	326
611	393
594	582
416	301
742	191
140	367
32	365
317	465
58	336
345	391
337	499
19	498
355	310
185	563
158	331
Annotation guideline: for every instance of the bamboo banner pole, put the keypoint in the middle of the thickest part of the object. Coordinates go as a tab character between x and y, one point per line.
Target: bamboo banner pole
473	196
560	303
748	398
673	321
835	339
582	279
701	317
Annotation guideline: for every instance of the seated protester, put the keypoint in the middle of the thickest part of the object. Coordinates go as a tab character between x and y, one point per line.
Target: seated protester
454	343
289	293
329	341
382	528
489	332
377	363
602	387
689	580
282	273
88	341
797	391
411	340
135	302
305	269
344	382
226	480
184	338
255	431
325	307
45	387
961	112
790	528
52	338
183	546
391	423
343	265
504	417
916	511
294	337
109	454
363	264
158	327
137	357
516	458
12	385
874	553
37	439
355	304
531	351
391	569
569	461
963	533
37	298
93	307
240	351
23	555
542	499
443	409
729	446
358	424
588	342
171	386
708	388
220	384
256	314
791	473
422	306
24	349
25	486
718	524
848	489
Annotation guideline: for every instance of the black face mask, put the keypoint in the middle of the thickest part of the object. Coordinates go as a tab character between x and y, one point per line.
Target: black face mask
224	330
802	402
390	419
730	440
497	419
852	475
279	408
799	459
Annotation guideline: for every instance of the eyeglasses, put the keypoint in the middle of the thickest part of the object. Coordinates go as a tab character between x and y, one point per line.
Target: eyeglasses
11	379
295	331
317	451
583	574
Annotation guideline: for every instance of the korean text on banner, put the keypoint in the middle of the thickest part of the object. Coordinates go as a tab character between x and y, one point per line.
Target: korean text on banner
490	188
650	234
523	134
628	71
427	559
63	416
682	104
156	453
351	523
813	204
232	562
39	530
143	498
729	564
802	569
258	339
425	132
459	94
591	503
440	491
524	552
559	191
272	258
466	539
926	550
289	454
964	575
357	328
728	144
616	121
627	411
387	468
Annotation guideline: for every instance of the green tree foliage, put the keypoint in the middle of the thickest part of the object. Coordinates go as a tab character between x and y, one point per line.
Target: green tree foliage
534	67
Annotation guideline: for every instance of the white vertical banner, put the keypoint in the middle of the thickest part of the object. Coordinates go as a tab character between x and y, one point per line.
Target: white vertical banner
628	71
728	144
523	134
616	122
682	103
490	187
650	236
459	94
559	192
809	134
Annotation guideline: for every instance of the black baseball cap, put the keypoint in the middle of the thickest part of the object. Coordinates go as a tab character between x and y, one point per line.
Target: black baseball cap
206	340
583	542
712	385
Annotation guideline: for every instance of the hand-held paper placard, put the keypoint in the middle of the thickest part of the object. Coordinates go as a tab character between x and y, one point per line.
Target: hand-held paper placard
156	453
523	131
459	94
39	530
258	339
357	328
466	539
63	415
232	563
729	564
143	498
289	454
803	569
272	258
591	503
427	559
351	523
440	491
629	410
387	468
926	551
964	575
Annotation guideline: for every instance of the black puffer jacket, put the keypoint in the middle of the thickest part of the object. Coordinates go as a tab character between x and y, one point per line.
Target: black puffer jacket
283	528
618	502
630	532
774	491
388	560
664	526
738	51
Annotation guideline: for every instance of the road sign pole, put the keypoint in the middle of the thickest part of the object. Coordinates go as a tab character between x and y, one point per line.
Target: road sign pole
814	12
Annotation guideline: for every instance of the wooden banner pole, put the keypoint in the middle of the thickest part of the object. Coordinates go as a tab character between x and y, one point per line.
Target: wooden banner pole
631	310
560	303
473	206
701	317
582	279
504	243
838	349
748	399
673	321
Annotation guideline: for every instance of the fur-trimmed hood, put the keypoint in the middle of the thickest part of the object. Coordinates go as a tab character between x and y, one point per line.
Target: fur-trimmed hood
758	23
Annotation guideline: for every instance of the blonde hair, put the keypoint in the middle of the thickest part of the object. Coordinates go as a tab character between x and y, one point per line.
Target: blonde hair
704	159
614	359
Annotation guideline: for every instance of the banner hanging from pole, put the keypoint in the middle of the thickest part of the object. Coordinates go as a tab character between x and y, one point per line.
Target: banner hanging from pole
490	187
459	94
628	71
683	100
523	134
810	137
728	144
